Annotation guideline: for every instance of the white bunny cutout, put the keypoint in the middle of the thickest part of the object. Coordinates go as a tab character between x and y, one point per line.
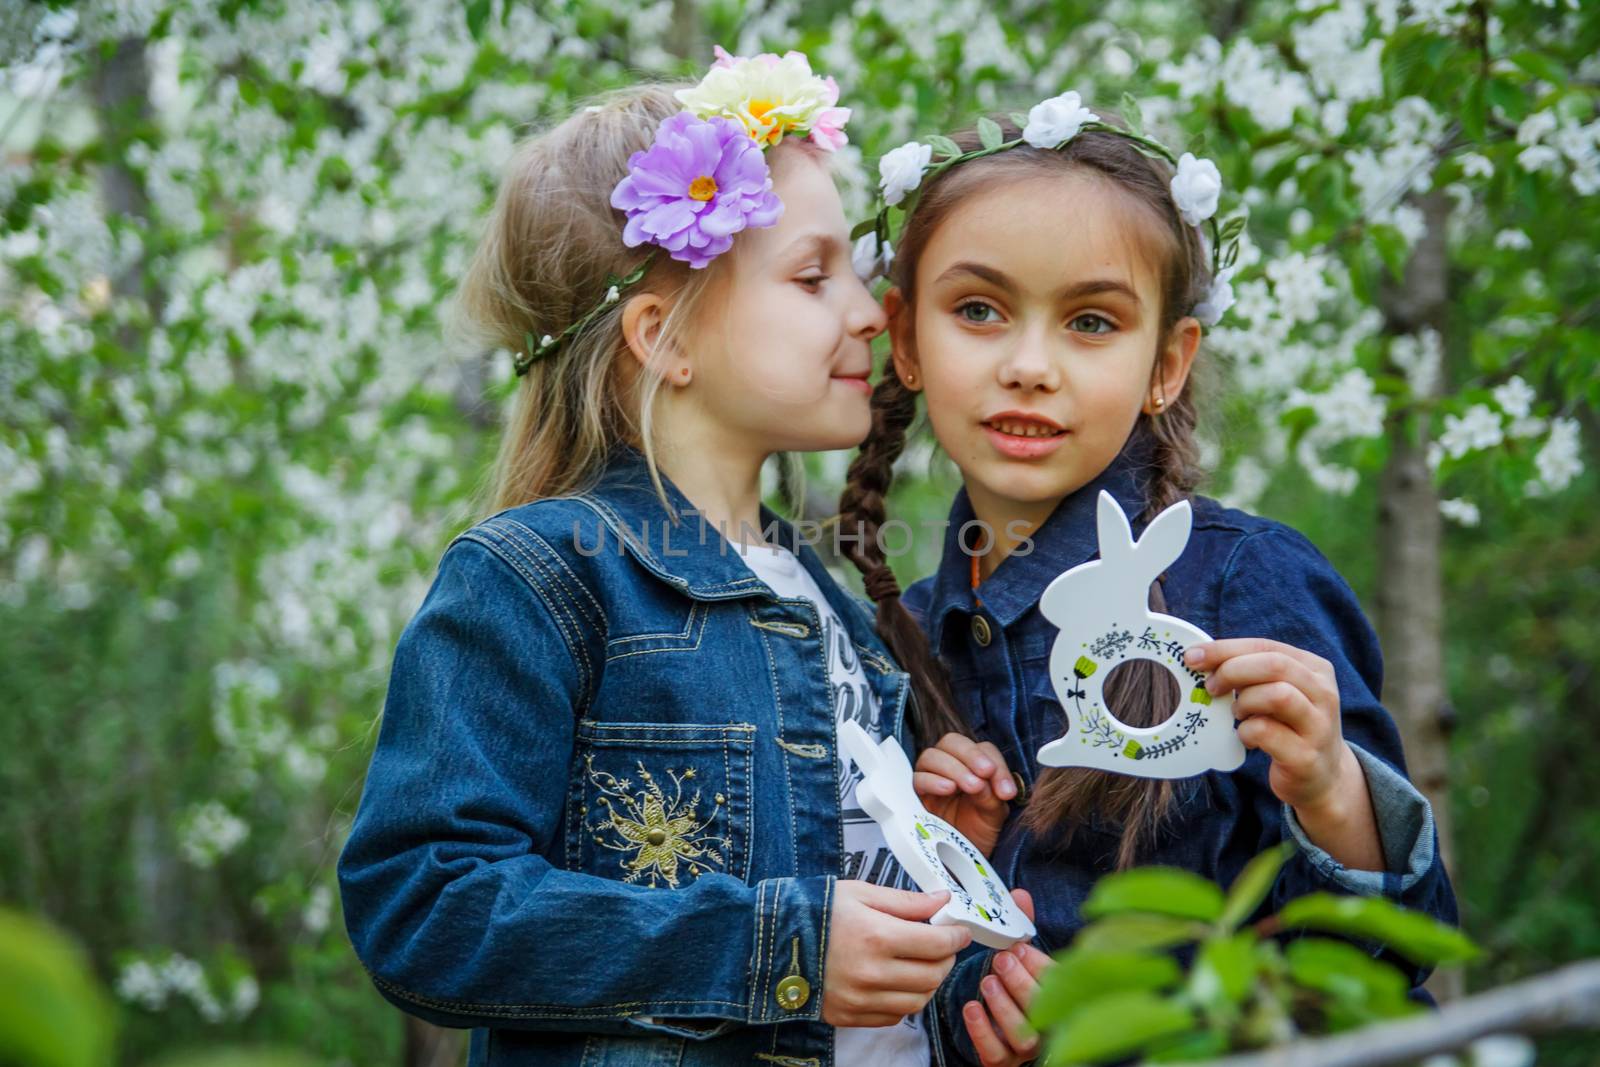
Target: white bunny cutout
934	853
1101	608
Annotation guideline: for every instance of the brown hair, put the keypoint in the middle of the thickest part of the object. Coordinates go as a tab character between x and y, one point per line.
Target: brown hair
1062	798
542	262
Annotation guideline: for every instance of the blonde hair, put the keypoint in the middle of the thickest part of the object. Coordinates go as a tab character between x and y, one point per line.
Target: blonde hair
541	263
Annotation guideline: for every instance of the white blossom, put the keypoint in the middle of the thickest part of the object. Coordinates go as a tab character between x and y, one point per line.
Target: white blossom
1053	122
867	260
900	171
1477	428
1460	510
1558	462
1196	188
209	832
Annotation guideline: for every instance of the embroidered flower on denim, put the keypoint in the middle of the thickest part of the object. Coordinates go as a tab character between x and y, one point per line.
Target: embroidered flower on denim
665	836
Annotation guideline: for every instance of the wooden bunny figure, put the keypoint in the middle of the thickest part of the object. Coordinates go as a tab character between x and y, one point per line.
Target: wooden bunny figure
934	853
1101	608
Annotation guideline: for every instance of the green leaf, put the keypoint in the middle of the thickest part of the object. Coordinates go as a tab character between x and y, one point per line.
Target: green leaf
1116	1025
1224	970
1202	1045
944	145
1133	932
1509	97
1391	249
989	132
863	228
1157	890
1132	113
1020	119
52	1011
1341	970
1415	936
1472	110
1078	976
1231	229
1255	881
1541	66
477	15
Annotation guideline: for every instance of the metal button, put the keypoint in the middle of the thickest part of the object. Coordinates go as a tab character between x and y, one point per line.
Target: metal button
793	992
980	630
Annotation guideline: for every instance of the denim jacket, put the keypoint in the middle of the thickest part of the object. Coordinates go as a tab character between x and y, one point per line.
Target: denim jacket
601	823
1239	576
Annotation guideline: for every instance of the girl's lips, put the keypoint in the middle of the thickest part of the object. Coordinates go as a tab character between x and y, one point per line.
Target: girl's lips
1009	444
858	383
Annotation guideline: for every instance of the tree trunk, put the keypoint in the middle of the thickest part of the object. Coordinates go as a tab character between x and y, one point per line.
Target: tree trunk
1410	603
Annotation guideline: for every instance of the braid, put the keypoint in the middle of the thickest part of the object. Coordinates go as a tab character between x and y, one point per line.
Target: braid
862	509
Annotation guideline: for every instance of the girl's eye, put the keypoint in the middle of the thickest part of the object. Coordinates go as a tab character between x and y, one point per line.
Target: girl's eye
972	311
1090	317
812	282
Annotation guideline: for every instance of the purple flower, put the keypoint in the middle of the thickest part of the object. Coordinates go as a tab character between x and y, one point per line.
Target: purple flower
701	182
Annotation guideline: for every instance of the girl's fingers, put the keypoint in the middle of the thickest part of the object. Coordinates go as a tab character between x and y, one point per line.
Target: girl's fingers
1008	1017
940	762
1005	787
1018	980
1210	654
910	976
991	1049
1255	668
1035	961
1281	701
928	784
1285	746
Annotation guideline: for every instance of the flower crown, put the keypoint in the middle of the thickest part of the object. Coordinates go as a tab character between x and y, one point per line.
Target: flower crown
1196	187
705	176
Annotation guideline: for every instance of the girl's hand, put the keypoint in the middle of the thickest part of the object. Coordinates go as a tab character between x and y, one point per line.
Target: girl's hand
1288	701
999	1025
884	960
968	785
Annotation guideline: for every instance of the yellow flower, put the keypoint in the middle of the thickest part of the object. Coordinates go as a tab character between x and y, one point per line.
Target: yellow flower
663	835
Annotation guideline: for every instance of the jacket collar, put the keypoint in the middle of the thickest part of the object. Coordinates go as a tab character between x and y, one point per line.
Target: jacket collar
693	554
1067	538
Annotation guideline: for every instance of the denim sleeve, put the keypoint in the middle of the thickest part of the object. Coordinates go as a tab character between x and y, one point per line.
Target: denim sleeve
450	895
960	986
1278	585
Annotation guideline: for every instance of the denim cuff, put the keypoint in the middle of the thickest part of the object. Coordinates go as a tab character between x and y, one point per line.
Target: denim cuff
1405	828
959	986
789	948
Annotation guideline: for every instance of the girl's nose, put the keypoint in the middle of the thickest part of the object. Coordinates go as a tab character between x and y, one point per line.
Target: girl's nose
867	317
1029	365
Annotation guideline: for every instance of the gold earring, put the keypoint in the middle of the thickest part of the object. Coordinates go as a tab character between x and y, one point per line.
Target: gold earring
1161	402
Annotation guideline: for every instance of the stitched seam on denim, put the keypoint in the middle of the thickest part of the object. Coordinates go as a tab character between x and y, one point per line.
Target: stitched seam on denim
567	607
808	751
699	636
737	727
790	1061
777	703
534	540
575	649
688	627
788	629
772	954
757	1010
822	949
644	550
539	1011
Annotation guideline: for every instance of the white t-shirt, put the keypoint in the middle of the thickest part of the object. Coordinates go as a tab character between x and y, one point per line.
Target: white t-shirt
866	855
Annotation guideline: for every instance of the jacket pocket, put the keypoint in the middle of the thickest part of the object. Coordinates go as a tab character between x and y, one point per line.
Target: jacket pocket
660	804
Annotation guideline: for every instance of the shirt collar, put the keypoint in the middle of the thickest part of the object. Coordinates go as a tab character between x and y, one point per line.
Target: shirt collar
1064	540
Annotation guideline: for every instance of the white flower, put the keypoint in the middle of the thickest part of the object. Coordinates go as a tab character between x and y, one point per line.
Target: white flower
1056	121
612	294
1477	427
1514	239
1474	165
1558	461
770	96
546	341
864	257
211	831
1515	397
901	170
1219	298
1196	188
1460	510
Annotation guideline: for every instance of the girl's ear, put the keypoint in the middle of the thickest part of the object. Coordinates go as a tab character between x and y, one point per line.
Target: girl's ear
642	319
1173	362
902	338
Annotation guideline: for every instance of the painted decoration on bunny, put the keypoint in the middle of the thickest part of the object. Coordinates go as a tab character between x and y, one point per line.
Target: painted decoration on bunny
1101	610
934	853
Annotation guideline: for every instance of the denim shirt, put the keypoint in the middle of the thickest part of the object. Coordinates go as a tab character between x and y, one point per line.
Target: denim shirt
601	823
1239	576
